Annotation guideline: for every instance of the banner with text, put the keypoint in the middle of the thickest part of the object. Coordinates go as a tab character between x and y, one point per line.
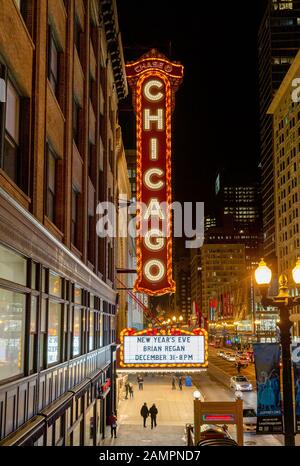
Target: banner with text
163	348
296	368
267	370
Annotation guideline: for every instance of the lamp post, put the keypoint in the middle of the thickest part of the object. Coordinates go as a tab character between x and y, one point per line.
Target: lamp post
284	302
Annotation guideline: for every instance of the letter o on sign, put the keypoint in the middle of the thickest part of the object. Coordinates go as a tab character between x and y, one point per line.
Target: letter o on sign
154	270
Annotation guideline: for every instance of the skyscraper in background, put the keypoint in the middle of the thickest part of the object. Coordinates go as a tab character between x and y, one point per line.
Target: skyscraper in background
278	43
238	213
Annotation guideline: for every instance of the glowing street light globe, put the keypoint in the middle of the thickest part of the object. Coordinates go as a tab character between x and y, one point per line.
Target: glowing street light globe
296	272
263	274
197	395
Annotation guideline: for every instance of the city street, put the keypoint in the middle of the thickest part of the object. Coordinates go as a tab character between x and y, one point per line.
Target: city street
175	409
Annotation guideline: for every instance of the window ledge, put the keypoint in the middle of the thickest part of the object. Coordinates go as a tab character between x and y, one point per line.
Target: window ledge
53	228
76	251
8	184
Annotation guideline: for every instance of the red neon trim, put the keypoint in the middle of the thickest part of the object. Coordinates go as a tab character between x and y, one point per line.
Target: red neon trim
218	418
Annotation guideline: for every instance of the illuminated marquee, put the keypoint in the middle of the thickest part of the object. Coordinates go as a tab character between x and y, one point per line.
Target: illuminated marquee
158	348
154	81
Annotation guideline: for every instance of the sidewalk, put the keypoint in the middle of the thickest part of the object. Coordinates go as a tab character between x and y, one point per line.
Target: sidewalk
175	409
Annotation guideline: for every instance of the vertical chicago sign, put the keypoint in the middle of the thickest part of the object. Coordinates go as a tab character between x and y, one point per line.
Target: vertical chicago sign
154	81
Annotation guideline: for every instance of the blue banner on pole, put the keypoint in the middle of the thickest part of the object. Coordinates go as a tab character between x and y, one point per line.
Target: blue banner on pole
267	370
296	369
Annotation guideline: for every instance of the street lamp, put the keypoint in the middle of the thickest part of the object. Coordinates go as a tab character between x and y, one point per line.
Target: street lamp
284	302
197	395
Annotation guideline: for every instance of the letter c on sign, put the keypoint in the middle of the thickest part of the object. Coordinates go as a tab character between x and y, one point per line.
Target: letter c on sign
148	181
160	270
147	90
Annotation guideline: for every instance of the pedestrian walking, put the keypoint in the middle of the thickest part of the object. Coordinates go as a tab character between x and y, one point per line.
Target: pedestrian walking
180	383
238	367
173	382
113	425
144	413
153	413
127	390
131	390
140	382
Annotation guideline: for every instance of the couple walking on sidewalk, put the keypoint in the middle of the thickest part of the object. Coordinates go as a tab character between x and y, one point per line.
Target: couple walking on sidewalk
145	412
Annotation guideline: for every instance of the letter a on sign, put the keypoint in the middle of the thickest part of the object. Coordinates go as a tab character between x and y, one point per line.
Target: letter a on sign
154	80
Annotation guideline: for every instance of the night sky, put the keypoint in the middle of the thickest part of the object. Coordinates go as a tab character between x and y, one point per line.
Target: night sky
216	115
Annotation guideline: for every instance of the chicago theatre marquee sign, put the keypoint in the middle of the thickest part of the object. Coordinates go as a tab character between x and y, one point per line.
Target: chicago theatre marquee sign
154	81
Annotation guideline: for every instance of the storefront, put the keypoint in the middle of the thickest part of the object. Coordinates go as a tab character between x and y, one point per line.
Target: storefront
54	334
76	418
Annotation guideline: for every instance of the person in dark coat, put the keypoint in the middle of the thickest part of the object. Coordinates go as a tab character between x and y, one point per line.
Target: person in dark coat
131	390
238	367
153	413
144	413
173	382
140	382
113	425
127	390
180	383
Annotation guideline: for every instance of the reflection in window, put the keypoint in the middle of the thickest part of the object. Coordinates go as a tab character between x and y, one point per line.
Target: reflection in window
89	426
54	330
54	284
12	133
91	339
33	331
77	295
12	266
12	329
51	184
77	332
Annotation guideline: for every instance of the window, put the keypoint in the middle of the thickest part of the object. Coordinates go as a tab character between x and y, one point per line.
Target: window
77	36
75	200
92	329
33	333
77	332
54	332
42	333
91	161
51	185
53	62
76	122
13	267
55	284
12	133
77	295
90	238
12	332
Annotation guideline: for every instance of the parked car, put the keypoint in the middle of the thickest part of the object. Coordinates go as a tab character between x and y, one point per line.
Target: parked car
241	383
220	353
249	420
229	357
